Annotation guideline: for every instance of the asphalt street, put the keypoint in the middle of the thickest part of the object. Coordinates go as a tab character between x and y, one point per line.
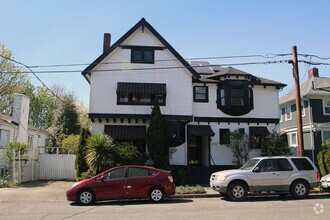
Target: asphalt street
46	200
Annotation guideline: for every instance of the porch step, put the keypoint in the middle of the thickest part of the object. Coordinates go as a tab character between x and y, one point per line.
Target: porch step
199	175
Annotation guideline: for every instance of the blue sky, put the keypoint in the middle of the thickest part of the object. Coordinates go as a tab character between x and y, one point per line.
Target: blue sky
71	31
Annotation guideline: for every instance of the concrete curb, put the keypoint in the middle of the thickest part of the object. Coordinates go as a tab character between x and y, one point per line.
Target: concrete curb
214	194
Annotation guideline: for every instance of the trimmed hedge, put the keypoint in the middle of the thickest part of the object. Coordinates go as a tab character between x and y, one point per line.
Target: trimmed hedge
323	159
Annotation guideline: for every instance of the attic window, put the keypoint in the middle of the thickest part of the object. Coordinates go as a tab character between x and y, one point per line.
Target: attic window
142	55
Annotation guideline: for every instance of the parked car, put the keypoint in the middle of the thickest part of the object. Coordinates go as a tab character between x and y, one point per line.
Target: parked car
325	183
282	175
132	182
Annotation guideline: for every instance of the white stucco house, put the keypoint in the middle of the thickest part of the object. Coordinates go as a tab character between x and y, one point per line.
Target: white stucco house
16	128
201	102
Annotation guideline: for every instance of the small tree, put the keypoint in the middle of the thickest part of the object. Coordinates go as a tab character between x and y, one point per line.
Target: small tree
275	145
157	139
14	146
70	143
239	146
81	165
100	148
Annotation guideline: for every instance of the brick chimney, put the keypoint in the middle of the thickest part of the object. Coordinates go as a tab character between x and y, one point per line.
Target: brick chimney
106	41
314	72
21	116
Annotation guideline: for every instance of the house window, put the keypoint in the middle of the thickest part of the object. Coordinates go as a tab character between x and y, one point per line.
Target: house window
325	136
30	141
201	94
326	106
293	139
235	97
288	113
303	112
142	55
224	135
141	93
4	138
282	113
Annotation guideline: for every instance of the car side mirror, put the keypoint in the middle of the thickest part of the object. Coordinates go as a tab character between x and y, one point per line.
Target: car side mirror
256	169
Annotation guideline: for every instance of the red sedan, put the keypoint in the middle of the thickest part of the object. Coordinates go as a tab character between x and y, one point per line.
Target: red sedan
123	182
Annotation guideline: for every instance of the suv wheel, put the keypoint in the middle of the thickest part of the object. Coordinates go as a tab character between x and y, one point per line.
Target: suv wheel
237	191
299	189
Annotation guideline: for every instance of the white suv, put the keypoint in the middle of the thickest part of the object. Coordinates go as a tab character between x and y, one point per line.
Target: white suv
281	174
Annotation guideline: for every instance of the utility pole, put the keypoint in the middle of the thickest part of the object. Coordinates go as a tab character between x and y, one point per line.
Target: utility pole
298	100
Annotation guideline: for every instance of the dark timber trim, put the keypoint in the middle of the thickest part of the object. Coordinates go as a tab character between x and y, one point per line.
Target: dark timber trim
140	116
237	120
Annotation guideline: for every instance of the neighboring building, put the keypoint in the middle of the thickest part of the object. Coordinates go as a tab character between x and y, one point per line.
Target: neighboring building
201	102
315	101
16	128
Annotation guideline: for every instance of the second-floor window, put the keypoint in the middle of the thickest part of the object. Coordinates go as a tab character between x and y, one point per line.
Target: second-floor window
234	97
288	113
326	106
201	94
141	93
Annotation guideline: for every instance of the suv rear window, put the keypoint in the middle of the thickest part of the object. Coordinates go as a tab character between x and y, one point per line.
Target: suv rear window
302	164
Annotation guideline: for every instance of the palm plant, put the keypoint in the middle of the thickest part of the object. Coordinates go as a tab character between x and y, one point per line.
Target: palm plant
99	156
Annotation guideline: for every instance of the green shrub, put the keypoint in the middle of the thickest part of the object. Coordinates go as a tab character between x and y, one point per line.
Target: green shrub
17	146
190	190
126	153
323	159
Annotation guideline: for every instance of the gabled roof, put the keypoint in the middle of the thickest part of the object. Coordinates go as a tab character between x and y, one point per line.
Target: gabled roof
141	23
315	86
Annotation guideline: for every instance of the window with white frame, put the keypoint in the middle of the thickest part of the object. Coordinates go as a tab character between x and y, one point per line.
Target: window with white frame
326	106
4	138
293	140
302	110
282	113
288	113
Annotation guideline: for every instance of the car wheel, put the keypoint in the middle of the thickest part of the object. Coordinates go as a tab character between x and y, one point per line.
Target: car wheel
86	197
299	189
156	194
237	191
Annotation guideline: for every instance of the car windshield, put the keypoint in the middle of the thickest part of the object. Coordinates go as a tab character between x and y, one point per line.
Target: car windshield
249	164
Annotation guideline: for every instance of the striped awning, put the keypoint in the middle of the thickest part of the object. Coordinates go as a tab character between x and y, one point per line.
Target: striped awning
120	132
141	88
258	131
200	130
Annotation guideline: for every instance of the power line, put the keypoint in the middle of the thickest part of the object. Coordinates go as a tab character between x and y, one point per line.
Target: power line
168	67
267	56
315	56
32	73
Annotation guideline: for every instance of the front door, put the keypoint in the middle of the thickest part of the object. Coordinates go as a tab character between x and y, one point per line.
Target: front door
195	150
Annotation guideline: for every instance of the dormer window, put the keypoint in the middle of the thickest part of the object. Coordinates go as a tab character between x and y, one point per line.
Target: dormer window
235	97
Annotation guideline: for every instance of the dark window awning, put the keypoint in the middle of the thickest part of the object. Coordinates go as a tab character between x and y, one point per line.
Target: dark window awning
141	88
258	131
200	130
120	132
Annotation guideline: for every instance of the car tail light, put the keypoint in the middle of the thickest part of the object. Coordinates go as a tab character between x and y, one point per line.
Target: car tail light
318	175
170	178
